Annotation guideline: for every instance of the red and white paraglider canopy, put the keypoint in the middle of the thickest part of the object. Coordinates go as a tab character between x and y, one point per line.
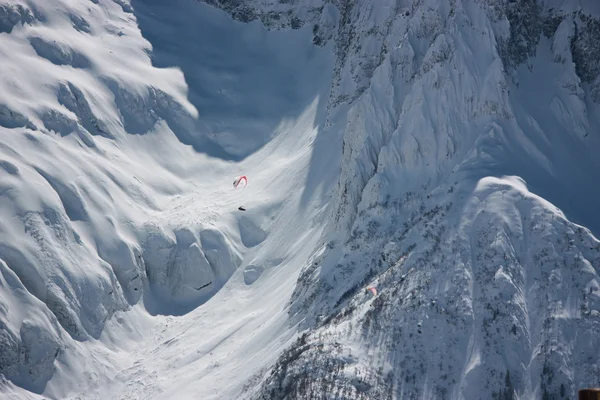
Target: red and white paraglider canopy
373	290
240	181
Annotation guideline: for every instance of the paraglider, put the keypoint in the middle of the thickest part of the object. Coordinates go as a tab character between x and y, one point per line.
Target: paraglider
373	290
240	181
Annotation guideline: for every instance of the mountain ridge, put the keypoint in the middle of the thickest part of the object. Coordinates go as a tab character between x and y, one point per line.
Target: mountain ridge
443	151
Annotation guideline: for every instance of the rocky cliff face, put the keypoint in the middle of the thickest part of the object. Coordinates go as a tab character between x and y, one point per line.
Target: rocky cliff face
469	131
467	194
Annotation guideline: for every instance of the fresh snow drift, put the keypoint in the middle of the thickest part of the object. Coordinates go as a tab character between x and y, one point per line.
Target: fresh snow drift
117	203
418	220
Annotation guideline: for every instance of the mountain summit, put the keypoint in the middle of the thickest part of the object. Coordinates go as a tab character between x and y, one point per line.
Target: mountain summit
443	152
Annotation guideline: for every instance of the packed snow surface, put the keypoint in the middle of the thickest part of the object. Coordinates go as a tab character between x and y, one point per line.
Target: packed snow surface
443	151
122	133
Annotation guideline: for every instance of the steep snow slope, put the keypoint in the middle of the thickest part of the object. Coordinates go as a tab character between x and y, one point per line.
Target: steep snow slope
462	135
469	159
117	203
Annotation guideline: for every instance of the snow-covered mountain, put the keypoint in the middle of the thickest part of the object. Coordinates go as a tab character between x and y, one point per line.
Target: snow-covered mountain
442	150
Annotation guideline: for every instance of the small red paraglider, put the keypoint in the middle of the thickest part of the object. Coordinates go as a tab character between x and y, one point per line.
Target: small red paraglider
240	180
